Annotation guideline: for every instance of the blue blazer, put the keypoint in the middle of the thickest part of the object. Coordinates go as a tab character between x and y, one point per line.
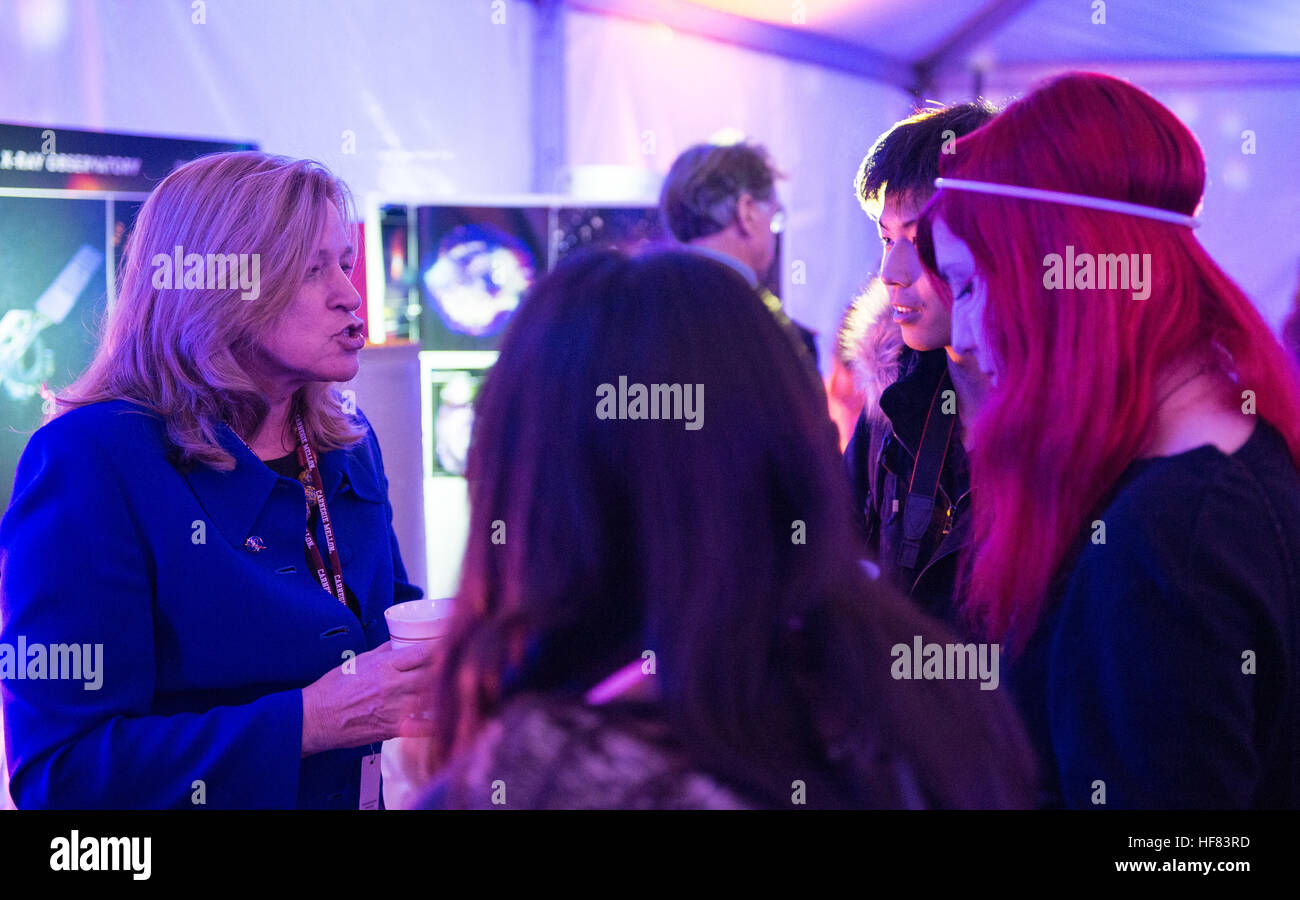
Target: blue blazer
206	644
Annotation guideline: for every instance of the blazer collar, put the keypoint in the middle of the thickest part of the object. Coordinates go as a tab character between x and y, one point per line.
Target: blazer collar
235	499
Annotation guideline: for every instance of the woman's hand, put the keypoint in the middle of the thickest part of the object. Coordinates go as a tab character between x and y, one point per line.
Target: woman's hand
382	693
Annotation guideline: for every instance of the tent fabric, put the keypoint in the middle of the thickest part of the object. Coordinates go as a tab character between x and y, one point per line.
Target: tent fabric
434	95
1019	31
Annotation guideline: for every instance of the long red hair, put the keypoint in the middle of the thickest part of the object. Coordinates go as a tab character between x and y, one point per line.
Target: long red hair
1076	396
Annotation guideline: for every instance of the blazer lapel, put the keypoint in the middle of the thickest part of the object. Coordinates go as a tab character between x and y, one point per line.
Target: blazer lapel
342	469
234	499
334	471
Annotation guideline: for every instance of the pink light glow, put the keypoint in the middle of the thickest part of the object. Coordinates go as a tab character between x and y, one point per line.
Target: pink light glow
819	14
617	684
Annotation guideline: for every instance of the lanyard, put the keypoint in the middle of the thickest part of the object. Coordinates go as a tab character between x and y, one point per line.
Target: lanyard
316	498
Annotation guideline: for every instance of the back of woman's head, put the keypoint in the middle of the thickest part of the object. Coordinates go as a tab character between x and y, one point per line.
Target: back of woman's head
217	253
717	535
1078	364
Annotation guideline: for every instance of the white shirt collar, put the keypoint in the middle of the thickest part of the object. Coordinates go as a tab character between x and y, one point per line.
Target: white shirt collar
726	259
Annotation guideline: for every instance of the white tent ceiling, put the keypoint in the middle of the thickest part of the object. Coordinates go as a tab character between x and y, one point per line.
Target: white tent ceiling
1044	30
913	43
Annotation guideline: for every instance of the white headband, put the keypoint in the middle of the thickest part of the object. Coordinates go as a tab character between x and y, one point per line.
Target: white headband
1103	203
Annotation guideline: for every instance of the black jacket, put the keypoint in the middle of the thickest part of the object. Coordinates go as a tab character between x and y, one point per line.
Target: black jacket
880	458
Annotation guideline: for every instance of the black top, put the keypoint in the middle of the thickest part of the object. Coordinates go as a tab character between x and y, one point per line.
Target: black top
289	467
880	458
1166	669
286	465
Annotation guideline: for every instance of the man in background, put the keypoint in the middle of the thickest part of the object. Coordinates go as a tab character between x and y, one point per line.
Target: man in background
720	201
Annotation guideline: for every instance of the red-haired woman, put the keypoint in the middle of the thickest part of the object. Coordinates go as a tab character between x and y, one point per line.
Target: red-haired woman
1138	530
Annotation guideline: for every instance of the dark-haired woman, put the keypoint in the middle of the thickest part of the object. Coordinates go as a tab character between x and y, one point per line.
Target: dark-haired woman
661	603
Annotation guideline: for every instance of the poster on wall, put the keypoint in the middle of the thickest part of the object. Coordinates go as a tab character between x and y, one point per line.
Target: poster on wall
68	200
632	229
53	288
52	158
476	262
451	394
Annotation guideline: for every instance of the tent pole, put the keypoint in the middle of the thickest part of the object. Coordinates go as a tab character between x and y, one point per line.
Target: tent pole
548	93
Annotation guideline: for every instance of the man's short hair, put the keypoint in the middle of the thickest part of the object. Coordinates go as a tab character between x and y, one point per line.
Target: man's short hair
705	182
905	159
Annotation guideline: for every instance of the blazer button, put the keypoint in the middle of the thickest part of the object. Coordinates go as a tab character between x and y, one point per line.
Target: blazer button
254	544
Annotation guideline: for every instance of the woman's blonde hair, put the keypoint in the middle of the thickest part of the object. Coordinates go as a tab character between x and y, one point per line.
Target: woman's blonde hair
183	351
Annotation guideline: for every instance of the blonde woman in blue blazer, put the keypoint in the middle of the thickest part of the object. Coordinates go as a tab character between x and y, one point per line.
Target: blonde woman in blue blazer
199	550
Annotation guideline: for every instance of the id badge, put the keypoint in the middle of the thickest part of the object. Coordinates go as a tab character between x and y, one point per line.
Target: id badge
370	781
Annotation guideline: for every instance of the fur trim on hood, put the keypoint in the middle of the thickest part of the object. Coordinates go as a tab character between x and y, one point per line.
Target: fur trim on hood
869	344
